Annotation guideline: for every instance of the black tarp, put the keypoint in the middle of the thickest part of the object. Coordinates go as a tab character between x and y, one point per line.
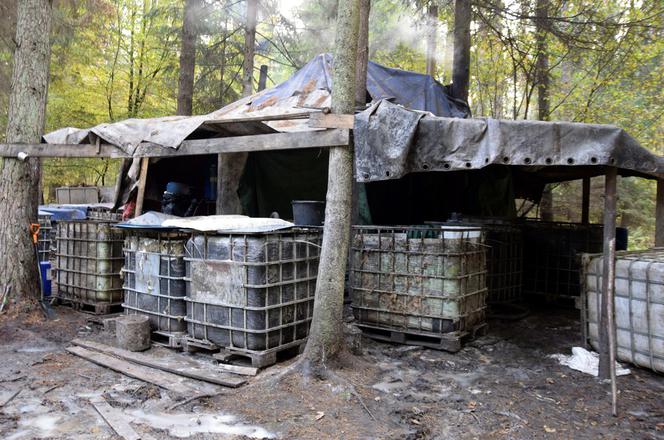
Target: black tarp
392	141
273	179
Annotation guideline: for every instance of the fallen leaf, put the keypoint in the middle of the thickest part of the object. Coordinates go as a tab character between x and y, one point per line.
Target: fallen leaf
320	415
549	430
416	422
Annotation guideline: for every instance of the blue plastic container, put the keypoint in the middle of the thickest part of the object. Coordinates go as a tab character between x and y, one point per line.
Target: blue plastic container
45	269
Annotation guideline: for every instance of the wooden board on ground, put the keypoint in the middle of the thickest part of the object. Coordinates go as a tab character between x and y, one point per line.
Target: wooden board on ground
168	381
175	364
116	420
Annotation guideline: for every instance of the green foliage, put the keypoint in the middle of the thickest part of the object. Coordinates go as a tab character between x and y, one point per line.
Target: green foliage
114	59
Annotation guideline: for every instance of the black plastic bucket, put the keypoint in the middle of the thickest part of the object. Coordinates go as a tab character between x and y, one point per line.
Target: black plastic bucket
308	212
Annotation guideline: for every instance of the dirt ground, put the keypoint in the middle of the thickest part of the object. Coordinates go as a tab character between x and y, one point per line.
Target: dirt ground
502	386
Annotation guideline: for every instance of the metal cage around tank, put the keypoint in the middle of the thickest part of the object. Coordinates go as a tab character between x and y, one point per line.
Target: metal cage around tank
46	236
102	213
419	280
88	260
154	279
552	262
252	292
504	259
638	305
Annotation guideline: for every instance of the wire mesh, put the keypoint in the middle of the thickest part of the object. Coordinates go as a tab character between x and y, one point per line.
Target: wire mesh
552	264
88	262
427	279
639	305
252	292
101	213
45	238
153	276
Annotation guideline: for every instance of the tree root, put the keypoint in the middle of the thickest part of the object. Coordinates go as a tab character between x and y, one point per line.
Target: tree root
304	370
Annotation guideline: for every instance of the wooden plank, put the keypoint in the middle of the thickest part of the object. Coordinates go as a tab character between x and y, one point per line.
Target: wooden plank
142	180
116	420
168	381
235	144
659	214
175	364
322	120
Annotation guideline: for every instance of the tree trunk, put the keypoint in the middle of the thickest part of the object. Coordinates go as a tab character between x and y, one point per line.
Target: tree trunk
19	183
187	58
546	204
231	166
542	66
432	39
249	48
362	54
461	63
326	336
262	78
359	191
222	65
543	81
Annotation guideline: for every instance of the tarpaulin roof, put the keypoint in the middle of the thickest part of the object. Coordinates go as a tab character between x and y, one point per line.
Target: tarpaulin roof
410	89
308	90
392	141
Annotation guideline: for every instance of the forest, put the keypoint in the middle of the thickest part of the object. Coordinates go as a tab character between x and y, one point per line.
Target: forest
580	61
404	300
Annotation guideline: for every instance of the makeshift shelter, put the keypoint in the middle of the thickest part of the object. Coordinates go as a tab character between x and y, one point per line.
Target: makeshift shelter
423	165
271	179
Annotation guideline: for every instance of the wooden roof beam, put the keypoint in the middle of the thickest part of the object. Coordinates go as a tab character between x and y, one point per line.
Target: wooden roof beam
235	144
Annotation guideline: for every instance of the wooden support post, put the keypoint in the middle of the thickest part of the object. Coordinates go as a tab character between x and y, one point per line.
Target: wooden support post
219	208
142	180
262	78
124	166
659	214
585	201
607	348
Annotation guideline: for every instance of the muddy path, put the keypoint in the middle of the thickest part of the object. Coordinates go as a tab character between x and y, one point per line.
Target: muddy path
502	386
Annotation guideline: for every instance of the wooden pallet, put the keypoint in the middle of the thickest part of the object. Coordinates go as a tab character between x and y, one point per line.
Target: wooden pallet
260	359
451	342
92	308
170	340
192	345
